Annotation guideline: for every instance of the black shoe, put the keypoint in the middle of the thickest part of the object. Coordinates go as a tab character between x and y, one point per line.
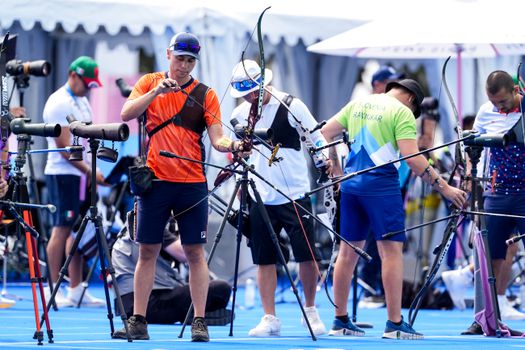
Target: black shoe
199	330
474	329
137	327
219	317
515	333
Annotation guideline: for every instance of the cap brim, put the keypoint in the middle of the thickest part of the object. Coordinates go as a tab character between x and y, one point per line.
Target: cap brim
92	82
393	84
417	112
186	53
268	75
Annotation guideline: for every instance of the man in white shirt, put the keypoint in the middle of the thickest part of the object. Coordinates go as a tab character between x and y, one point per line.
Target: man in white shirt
289	175
63	177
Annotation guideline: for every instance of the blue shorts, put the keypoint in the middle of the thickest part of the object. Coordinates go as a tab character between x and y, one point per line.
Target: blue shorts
189	204
381	214
64	193
499	228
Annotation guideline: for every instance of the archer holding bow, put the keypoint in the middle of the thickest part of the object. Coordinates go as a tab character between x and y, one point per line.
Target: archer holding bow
382	125
290	174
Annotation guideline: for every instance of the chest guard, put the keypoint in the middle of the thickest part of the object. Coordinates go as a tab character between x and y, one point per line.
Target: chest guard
283	132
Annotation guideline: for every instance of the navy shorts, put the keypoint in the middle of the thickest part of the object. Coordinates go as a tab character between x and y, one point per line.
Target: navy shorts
282	216
189	204
500	228
64	193
381	214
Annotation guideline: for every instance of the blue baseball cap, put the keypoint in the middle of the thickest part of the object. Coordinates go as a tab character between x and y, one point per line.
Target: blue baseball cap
185	44
385	73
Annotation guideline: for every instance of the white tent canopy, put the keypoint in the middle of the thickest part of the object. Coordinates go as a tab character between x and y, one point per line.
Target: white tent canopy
288	20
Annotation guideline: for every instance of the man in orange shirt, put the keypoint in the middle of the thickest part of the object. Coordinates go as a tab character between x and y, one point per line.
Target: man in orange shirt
175	122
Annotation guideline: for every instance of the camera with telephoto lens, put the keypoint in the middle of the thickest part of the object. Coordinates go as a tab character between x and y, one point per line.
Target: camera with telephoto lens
40	68
476	139
24	126
109	131
430	108
260	134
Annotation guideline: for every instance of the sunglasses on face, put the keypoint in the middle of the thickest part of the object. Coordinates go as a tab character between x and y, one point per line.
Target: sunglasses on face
193	48
246	85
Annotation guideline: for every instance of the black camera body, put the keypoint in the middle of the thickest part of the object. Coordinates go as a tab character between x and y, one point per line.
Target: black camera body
430	108
125	89
260	134
40	68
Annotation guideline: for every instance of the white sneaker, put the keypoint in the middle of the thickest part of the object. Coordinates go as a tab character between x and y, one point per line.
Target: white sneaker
60	298
88	300
6	303
507	312
315	321
269	326
457	283
371	302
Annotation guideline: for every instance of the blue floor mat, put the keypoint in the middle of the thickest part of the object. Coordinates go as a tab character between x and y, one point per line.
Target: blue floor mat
88	328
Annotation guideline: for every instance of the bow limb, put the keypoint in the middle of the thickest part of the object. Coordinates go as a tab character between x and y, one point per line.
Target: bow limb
460	148
260	40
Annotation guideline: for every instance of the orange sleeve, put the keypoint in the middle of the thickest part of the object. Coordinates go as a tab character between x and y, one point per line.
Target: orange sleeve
145	84
212	110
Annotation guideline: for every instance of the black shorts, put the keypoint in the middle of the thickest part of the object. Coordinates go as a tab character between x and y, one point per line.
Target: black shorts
64	193
282	216
189	204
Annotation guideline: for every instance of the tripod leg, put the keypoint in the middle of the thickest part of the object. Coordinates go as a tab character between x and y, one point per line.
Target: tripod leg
216	241
103	251
38	333
85	283
243	184
354	295
440	253
34	268
491	280
355	299
41	289
63	269
268	224
111	219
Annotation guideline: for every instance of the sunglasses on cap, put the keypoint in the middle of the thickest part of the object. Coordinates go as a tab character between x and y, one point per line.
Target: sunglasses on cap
246	85
193	48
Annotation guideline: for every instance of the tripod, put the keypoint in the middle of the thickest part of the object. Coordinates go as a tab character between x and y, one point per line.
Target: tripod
103	250
22	83
474	153
242	185
18	186
111	220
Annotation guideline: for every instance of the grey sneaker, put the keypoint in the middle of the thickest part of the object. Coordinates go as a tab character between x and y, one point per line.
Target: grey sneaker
199	330
138	329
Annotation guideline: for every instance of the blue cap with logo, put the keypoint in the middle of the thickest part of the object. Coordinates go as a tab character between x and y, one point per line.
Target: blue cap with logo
185	44
385	73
